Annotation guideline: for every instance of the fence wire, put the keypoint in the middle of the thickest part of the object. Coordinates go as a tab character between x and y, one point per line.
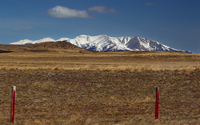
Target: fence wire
30	108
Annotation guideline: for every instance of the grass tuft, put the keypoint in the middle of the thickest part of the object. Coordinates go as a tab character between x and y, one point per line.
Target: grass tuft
57	67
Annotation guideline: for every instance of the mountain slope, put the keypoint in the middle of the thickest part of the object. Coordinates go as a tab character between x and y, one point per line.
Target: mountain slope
58	46
107	43
27	41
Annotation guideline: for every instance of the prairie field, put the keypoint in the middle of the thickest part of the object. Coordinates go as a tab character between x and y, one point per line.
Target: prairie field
79	87
99	60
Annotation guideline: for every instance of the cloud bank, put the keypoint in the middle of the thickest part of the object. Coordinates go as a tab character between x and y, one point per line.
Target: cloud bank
22	27
65	12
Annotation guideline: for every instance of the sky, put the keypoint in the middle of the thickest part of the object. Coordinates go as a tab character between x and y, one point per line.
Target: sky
175	23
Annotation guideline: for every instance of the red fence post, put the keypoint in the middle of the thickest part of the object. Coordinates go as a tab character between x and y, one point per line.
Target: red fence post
13	104
157	103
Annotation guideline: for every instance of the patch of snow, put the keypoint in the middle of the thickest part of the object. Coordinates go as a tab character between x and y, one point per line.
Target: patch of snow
22	42
63	39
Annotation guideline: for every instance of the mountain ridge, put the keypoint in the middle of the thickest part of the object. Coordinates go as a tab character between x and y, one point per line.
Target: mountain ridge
107	43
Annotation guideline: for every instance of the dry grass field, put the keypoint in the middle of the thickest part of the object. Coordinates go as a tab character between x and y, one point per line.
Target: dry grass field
60	84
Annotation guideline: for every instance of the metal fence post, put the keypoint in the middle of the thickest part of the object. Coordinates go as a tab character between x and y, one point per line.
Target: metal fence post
13	104
157	103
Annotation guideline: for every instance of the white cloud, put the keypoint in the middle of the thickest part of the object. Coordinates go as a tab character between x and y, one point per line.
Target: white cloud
65	12
112	11
22	27
101	9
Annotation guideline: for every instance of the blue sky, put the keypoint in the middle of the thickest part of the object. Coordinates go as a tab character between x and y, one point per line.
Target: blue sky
175	23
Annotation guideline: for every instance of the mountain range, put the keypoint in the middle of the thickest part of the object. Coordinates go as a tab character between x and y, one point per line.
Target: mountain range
107	43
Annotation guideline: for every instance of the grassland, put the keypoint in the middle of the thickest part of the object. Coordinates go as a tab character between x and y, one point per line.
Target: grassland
99	60
79	87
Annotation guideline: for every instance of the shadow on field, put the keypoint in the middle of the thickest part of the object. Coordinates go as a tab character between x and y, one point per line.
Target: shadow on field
2	51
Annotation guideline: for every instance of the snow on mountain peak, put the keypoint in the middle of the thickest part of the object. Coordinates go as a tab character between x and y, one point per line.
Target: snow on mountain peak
82	36
27	41
107	43
23	42
47	39
63	39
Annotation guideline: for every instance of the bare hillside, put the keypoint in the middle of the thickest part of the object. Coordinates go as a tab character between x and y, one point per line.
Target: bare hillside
42	47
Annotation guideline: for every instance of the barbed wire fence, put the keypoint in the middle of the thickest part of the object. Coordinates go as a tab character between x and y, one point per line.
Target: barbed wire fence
24	112
32	109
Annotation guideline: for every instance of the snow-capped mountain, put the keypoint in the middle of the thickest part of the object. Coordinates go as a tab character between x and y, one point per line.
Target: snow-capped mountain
99	43
63	39
107	43
27	41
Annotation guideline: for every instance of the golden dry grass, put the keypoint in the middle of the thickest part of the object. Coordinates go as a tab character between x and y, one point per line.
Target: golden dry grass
100	88
100	96
99	61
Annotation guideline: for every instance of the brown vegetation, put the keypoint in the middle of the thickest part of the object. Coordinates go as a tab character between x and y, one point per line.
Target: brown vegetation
42	47
100	96
98	88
